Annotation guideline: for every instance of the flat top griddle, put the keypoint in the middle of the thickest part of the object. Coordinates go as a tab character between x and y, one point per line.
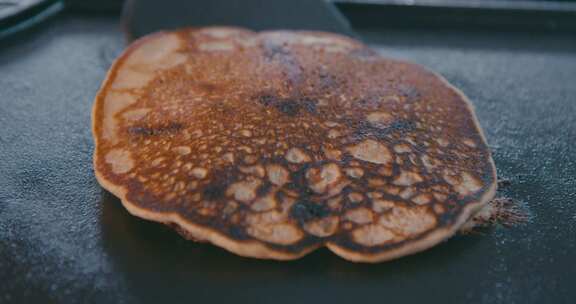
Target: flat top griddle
65	239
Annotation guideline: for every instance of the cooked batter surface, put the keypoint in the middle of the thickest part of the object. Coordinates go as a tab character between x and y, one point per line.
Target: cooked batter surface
272	144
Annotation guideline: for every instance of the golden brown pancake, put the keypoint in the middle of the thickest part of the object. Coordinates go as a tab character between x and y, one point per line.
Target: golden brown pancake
273	144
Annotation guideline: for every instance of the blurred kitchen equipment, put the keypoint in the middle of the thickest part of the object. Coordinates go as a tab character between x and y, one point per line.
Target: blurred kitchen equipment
142	17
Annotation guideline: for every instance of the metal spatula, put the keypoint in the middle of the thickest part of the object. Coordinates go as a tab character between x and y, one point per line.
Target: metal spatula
142	17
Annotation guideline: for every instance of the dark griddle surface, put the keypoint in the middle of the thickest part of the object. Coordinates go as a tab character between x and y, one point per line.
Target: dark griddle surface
64	238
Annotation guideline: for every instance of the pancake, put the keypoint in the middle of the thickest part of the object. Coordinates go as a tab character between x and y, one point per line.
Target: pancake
273	144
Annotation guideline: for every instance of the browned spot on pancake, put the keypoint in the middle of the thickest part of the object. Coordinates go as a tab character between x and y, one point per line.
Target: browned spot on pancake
422	199
199	172
355	197
355	172
321	179
120	160
402	148
407	178
322	227
243	191
296	155
359	215
381	205
380	119
156	130
266	202
332	154
256	170
372	235
408	221
371	151
277	174
270	227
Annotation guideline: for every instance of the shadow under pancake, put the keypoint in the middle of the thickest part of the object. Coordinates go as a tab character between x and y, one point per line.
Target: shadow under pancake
159	263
